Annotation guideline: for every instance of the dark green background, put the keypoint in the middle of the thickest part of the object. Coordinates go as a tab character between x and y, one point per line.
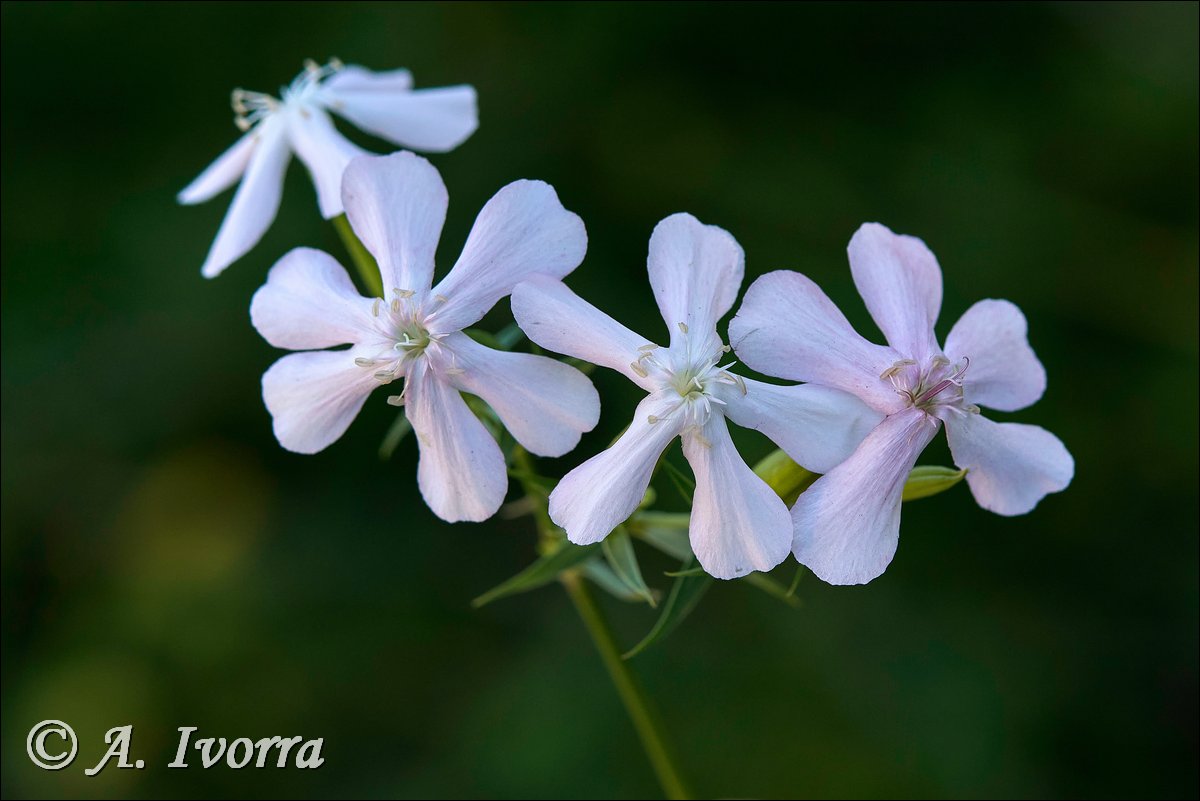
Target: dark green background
165	563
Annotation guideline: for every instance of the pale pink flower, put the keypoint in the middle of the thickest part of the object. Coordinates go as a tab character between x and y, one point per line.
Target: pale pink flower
738	523
396	205
848	522
381	103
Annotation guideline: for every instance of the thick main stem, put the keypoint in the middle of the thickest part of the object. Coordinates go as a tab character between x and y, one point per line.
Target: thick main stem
637	704
641	711
364	262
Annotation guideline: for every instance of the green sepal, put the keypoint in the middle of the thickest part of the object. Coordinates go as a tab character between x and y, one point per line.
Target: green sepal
929	480
787	478
394	436
600	574
619	553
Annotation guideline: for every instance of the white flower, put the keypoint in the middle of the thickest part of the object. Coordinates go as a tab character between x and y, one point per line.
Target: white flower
848	522
381	103
396	205
738	523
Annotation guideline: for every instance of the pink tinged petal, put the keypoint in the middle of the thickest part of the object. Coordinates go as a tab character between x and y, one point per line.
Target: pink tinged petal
396	205
523	230
434	120
325	152
545	404
255	202
738	522
604	491
556	318
1004	372
1010	466
818	427
309	302
901	283
461	470
848	522
222	173
696	271
313	397
788	328
353	78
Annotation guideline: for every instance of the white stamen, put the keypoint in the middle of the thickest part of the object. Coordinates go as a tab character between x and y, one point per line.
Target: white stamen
683	327
395	400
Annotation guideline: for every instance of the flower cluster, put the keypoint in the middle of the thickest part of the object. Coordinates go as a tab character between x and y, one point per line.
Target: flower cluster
860	416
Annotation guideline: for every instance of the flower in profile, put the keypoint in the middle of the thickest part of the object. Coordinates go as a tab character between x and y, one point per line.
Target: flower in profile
738	524
848	522
396	205
381	103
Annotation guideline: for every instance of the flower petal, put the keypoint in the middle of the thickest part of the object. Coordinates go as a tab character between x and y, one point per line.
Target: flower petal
255	202
325	152
556	318
461	471
1004	372
788	328
309	302
222	173
901	283
738	523
545	404
696	271
314	396
1010	466
396	205
818	427
521	231
353	78
434	120
604	491
848	522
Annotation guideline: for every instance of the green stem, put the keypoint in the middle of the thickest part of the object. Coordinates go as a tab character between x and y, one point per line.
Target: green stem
637	704
645	719
368	270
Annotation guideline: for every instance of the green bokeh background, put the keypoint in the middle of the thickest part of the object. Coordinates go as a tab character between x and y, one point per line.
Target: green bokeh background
165	563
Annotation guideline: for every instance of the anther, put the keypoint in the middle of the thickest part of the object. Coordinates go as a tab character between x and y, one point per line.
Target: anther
648	347
653	419
375	307
683	327
365	362
385	376
395	400
637	368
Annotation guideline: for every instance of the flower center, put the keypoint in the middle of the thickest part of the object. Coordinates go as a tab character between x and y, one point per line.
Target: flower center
251	108
936	385
404	338
690	372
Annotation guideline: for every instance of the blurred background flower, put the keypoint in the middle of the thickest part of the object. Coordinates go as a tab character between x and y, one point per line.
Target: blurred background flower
166	564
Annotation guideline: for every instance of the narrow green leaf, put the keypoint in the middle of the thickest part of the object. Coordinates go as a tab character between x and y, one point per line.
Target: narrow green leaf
394	436
773	588
787	478
603	577
540	573
929	480
683	482
685	593
695	571
666	531
618	551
